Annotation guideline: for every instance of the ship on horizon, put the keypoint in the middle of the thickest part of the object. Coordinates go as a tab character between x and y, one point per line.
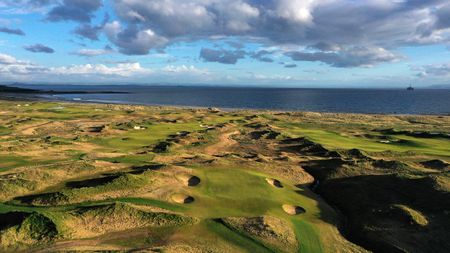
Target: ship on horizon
410	88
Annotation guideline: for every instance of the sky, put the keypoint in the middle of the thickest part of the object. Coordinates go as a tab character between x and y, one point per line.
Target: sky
283	43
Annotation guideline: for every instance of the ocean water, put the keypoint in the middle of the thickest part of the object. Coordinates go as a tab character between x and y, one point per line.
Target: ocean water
379	101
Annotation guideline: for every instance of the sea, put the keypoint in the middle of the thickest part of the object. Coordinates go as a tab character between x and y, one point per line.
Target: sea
372	101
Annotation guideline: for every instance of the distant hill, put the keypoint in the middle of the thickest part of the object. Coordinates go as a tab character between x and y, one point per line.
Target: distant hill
4	88
11	89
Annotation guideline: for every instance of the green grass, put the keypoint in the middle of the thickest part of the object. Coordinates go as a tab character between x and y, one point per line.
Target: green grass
234	238
334	140
8	162
137	139
308	236
4	130
228	192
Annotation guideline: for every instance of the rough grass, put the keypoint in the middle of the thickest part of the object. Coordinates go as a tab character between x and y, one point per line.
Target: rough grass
26	230
100	219
276	234
121	185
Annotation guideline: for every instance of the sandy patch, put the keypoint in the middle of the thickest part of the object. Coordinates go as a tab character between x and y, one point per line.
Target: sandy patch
189	180
293	210
274	182
182	198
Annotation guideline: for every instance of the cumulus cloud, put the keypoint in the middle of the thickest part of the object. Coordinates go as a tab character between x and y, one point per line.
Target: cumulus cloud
176	17
91	31
121	69
6	59
88	31
39	48
10	66
74	10
340	33
347	57
325	23
131	40
14	69
12	31
221	55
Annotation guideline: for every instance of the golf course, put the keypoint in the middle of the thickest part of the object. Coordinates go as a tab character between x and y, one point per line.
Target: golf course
78	177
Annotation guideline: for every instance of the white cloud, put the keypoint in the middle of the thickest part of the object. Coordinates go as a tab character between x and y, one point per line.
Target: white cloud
299	11
93	52
10	66
365	24
8	59
121	69
185	69
344	57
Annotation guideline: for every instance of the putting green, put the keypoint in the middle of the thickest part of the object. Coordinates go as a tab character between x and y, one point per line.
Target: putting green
231	192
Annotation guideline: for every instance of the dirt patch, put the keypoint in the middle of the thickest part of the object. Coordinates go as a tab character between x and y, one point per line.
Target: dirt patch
293	210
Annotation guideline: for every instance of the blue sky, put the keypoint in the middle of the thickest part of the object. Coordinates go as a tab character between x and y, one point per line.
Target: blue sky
293	43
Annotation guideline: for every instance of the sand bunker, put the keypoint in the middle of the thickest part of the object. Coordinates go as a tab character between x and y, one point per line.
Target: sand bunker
182	198
293	210
274	182
189	180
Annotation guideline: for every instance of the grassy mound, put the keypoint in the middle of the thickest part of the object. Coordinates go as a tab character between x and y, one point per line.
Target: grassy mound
303	146
356	154
92	189
21	229
408	215
391	165
274	233
91	221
